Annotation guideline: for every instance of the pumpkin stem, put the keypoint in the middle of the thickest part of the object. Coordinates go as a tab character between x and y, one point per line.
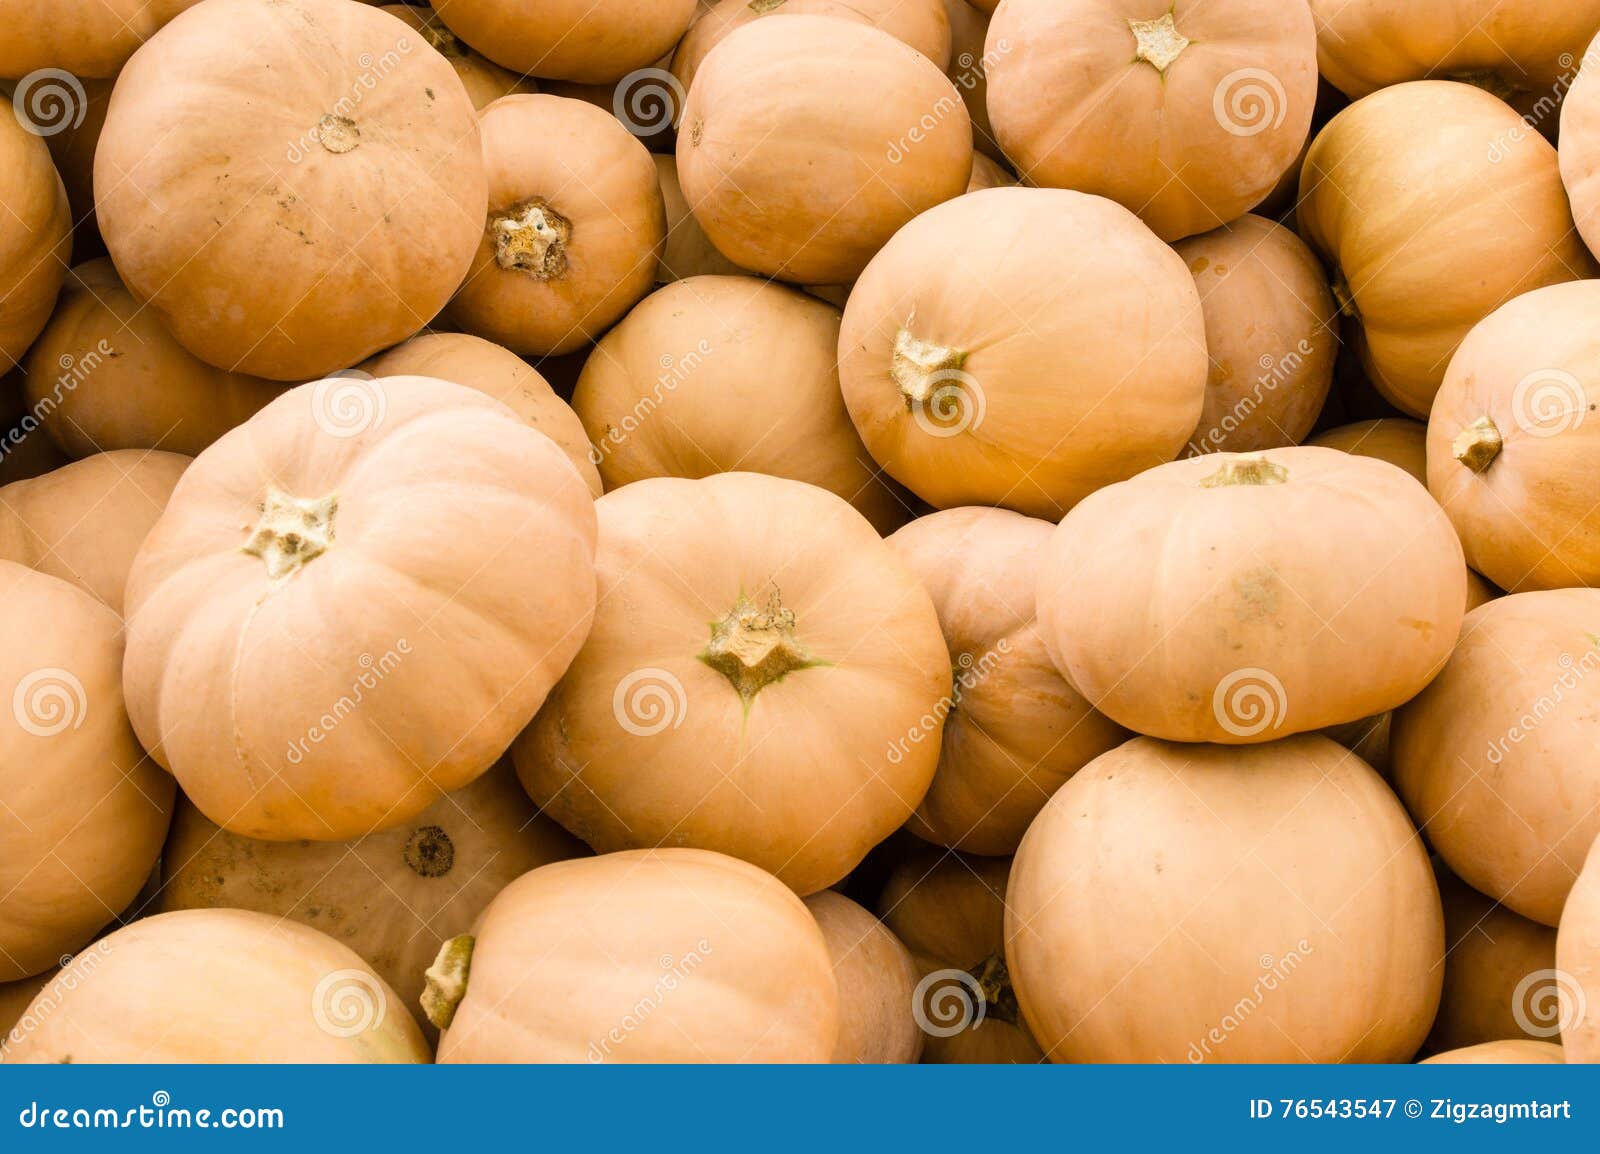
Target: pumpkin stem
1247	470
1490	81
531	237
291	531
762	7
447	980
1342	295
753	647
1158	41
337	134
442	40
921	368
1477	445
994	979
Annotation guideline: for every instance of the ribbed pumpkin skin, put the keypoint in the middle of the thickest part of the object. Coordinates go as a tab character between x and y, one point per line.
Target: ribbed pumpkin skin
1578	957
88	38
35	242
588	41
876	979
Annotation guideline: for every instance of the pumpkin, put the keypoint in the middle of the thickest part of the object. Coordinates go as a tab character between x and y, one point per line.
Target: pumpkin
1510	455
484	80
875	976
85	521
1240	598
24	451
489	368
1578	964
983	371
75	126
393	897
880	132
1495	757
384	574
84	37
1366	737
683	956
1399	440
107	374
85	811
688	251
1580	144
1507	1052
1013	729
15	998
670	391
290	245
987	173
1412	272
1272	333
222	986
1186	112
969	72
646	102
950	913
589	41
787	736
574	229
1196	903
35	238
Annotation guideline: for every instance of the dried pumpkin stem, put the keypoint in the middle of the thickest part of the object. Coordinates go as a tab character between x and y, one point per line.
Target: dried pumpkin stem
1247	471
337	134
1492	82
531	237
1158	42
762	7
753	646
291	531
994	980
1343	297
447	980
1477	445
920	368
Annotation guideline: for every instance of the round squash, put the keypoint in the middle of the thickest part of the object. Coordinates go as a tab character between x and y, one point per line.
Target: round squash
1187	113
1514	440
875	976
1013	729
1578	964
15	998
777	738
484	80
879	132
293	244
384	574
1399	440
589	41
950	913
688	251
680	955
574	230
83	37
1195	903
984	371
489	368
224	986
1509	1052
670	392
969	72
1241	598
1495	757
75	125
1580	143
85	811
1272	333
35	238
1414	272
106	374
23	454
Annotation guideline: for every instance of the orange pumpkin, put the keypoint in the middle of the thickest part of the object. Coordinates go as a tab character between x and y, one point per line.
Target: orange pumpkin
875	976
987	173
969	72
484	80
75	126
1400	441
688	251
24	451
590	41
35	238
84	37
1578	960
1580	143
15	998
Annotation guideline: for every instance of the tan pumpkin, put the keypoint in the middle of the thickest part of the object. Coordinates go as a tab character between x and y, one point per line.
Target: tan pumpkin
85	811
1414	273
35	238
1241	598
1495	757
880	132
1578	964
24	451
671	392
484	80
983	371
1399	440
15	998
589	41
1012	729
202	986
489	368
1580	142
688	251
574	230
1509	1052
1272	333
1187	112
1196	903
680	955
83	37
107	374
387	574
875	976
75	132
950	913
777	738
969	72
290	245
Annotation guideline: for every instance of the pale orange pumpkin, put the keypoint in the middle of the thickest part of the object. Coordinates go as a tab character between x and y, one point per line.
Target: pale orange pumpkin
484	80
1578	958
1580	143
35	238
688	251
1507	1052
1399	440
83	37
384	574
589	41
969	72
876	978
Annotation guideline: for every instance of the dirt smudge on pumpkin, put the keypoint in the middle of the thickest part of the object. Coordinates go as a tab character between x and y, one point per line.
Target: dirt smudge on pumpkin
1258	594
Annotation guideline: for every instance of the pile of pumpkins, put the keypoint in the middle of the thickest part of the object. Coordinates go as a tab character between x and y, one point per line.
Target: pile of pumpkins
800	530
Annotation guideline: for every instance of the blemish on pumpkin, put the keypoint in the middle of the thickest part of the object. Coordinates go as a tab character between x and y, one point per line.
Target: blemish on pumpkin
1257	595
531	237
1423	627
695	132
1199	265
429	852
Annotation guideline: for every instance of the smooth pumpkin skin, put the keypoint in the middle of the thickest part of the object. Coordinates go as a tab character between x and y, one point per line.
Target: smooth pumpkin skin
670	391
1013	728
1240	598
968	70
495	370
588	41
949	910
35	238
1164	883
879	130
1578	956
85	521
876	977
267	244
1580	147
1272	334
88	38
15	998
649	738
454	584
72	148
1399	440
1495	758
86	811
484	80
688	251
1526	511
983	371
1508	1052
1413	271
24	451
1078	101
733	966
221	986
